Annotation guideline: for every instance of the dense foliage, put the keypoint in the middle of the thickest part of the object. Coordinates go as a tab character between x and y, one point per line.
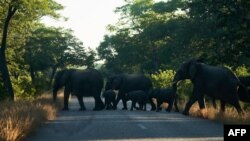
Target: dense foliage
160	35
31	53
150	36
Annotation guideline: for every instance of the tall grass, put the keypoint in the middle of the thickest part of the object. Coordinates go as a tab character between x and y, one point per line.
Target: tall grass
230	116
19	118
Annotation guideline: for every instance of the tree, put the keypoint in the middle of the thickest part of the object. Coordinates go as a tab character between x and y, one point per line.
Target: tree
27	10
51	48
162	35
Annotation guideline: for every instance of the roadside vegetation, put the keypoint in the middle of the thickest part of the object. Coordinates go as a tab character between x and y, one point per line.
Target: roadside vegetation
18	119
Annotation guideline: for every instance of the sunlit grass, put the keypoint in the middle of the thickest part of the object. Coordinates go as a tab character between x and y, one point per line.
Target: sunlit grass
19	118
230	116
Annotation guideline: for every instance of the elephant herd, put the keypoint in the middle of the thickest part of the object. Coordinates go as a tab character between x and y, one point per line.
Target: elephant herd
216	82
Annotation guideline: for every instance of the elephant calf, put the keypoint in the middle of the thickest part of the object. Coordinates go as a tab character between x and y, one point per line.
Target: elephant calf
139	97
110	97
167	95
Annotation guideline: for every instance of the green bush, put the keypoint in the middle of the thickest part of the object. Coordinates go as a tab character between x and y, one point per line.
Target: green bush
164	79
242	71
23	87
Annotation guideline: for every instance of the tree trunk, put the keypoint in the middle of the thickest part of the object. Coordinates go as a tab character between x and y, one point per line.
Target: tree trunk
3	64
6	76
52	76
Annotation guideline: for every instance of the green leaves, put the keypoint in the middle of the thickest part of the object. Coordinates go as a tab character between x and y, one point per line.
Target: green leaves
19	18
164	34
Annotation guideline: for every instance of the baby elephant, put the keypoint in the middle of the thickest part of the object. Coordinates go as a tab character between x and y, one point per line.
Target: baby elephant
139	97
110	97
165	95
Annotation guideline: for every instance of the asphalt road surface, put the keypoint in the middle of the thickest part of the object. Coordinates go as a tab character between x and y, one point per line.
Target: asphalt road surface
74	125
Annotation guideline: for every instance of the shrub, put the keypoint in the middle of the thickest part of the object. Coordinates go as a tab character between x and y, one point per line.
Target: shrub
164	79
242	71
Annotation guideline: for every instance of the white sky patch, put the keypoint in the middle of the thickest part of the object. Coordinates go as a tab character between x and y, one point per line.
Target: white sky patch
87	18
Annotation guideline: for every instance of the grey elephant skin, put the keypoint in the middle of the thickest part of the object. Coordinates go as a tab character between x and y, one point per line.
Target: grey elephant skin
167	95
217	82
126	83
109	97
139	97
244	93
81	83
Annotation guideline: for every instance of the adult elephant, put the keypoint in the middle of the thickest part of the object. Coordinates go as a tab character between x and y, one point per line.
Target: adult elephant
217	82
243	91
81	83
125	83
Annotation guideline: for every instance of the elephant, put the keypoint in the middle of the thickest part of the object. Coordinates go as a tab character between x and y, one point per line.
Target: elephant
126	83
243	91
81	83
139	97
216	82
110	97
245	80
167	95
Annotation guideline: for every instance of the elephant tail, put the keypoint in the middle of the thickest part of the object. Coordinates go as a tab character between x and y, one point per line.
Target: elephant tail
243	93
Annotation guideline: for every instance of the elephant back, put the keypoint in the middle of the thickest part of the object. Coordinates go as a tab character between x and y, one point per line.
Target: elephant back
87	81
133	82
62	78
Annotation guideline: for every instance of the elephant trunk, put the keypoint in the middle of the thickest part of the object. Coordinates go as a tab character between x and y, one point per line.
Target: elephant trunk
54	94
55	89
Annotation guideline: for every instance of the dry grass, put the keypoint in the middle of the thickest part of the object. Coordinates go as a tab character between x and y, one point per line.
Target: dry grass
19	118
230	116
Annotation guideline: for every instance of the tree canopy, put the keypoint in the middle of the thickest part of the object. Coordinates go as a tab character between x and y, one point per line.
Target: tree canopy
31	52
160	35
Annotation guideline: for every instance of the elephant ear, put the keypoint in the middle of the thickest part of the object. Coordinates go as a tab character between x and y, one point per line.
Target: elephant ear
193	69
65	76
117	82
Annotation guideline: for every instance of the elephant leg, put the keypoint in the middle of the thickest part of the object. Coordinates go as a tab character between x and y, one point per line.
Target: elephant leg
222	106
66	99
124	101
153	107
98	103
159	103
106	104
132	105
144	106
237	107
175	105
189	104
214	103
113	104
119	97
82	106
170	106
141	106
201	101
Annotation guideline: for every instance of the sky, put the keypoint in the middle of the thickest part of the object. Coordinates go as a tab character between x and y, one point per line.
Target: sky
87	18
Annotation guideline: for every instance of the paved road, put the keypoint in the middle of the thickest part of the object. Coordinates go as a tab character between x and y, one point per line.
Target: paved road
77	125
